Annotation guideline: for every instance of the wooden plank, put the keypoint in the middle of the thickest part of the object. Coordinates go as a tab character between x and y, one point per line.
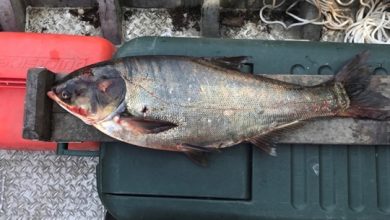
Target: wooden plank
37	107
340	131
111	20
210	18
161	3
68	128
12	15
251	4
330	131
61	3
310	32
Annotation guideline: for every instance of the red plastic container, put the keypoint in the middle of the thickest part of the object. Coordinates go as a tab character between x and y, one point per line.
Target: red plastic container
60	54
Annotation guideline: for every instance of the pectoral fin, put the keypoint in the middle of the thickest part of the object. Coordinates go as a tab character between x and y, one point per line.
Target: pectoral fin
143	125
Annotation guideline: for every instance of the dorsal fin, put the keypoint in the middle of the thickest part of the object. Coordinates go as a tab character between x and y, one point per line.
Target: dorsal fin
233	63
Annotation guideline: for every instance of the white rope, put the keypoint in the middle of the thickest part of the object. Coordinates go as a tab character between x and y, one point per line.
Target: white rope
271	6
332	18
345	3
371	24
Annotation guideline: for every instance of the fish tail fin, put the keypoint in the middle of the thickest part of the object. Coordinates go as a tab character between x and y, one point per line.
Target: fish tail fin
364	103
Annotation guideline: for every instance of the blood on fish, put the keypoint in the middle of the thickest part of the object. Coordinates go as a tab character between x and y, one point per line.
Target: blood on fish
78	110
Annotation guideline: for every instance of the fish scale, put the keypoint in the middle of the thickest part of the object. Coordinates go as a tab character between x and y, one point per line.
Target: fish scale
256	102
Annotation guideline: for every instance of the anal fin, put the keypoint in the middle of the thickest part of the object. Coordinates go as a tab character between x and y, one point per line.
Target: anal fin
267	141
264	144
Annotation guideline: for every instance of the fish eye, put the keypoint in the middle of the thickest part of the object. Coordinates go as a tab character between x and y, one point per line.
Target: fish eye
65	94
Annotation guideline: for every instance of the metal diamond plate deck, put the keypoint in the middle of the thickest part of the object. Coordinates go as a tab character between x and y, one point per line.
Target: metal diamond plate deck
153	22
42	185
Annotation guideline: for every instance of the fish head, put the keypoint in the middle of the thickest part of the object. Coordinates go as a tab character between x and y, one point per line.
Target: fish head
91	94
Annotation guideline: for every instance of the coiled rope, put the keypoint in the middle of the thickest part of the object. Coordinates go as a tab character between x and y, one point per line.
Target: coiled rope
370	25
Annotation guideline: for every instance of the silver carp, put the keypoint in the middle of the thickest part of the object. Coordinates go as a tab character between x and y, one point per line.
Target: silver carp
197	105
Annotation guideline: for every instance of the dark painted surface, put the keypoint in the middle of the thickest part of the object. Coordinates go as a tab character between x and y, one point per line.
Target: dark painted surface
302	182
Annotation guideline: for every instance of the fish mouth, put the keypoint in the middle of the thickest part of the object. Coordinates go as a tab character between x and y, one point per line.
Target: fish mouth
53	96
74	110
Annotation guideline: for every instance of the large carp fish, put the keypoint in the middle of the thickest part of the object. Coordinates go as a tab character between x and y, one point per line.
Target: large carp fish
196	105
